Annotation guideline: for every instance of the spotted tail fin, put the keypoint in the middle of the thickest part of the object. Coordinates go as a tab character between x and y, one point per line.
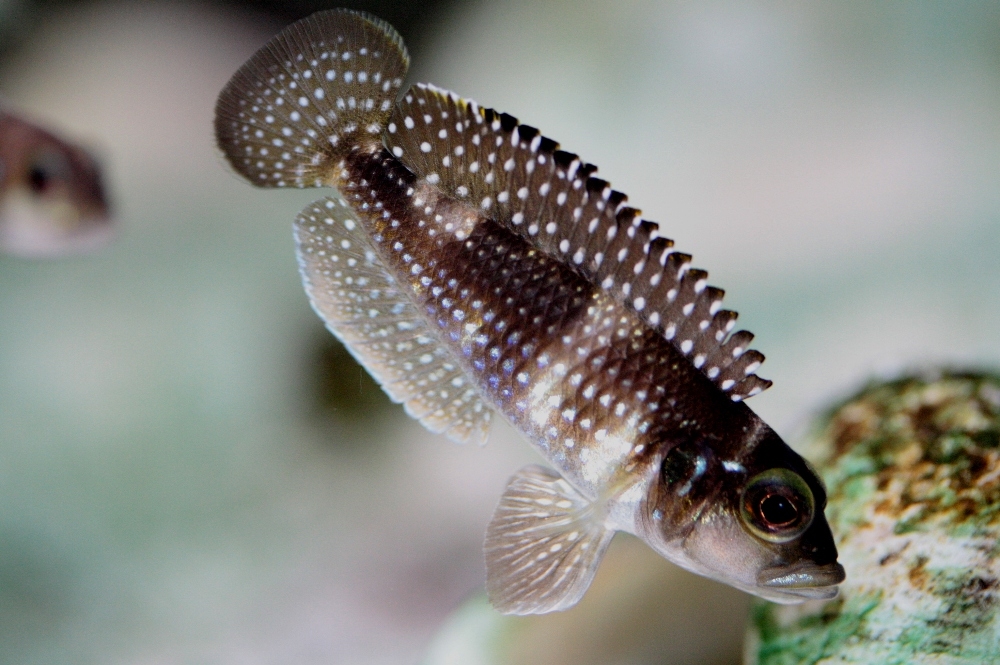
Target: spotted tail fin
521	179
320	89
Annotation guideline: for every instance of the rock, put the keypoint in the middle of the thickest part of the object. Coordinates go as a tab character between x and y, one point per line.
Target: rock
913	473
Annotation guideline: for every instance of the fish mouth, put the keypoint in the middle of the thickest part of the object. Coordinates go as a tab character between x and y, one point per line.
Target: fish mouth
803	581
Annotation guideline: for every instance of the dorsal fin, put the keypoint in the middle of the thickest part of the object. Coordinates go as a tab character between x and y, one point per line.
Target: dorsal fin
359	301
521	178
322	87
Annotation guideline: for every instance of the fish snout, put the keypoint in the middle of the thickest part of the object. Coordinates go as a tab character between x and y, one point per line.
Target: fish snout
805	579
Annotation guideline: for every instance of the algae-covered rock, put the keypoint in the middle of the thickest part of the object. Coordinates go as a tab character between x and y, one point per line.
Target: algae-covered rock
913	473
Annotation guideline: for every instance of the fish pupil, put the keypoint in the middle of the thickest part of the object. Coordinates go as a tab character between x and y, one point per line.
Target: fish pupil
778	510
38	179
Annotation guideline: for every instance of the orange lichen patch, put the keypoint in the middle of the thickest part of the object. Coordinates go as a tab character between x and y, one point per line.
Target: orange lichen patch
918	573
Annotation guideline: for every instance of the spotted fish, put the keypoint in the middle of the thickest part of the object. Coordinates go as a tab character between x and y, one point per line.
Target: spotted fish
476	269
52	201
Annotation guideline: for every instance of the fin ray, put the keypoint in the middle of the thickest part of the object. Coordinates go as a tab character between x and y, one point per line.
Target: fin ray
359	301
521	179
543	545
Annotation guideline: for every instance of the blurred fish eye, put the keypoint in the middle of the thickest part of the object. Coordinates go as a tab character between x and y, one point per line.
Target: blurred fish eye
45	168
38	178
777	505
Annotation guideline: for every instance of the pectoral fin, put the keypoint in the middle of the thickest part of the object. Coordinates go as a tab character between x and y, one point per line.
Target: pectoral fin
543	544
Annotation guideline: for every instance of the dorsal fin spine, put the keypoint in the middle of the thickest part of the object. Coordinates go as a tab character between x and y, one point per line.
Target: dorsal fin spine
515	175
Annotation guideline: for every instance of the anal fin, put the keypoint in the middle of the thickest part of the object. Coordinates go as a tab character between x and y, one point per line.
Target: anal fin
364	307
543	544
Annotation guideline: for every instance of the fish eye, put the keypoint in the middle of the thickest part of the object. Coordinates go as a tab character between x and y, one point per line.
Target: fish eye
46	168
777	505
38	178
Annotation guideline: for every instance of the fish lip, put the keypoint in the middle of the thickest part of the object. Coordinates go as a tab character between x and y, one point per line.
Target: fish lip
793	596
805	579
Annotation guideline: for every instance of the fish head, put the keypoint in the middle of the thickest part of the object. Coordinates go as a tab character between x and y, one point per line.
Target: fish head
52	200
755	523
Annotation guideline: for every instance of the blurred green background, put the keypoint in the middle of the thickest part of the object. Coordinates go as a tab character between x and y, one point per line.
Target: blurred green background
192	471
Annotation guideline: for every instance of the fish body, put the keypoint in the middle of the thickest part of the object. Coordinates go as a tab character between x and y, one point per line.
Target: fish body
52	201
474	268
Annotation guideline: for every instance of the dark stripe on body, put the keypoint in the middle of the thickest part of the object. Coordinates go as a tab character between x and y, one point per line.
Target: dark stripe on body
512	314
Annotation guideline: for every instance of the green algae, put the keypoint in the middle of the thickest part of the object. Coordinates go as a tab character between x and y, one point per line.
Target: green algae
937	441
912	468
816	636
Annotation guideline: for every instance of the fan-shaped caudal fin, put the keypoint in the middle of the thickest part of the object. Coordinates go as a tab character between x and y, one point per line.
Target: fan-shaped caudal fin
357	297
321	88
520	178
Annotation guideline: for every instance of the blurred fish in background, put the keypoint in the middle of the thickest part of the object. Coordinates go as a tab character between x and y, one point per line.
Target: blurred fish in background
185	474
52	201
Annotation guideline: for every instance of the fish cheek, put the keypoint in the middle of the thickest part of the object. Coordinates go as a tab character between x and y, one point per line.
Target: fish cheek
695	518
723	550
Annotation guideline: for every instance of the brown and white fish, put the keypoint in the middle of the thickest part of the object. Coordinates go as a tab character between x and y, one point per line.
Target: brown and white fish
52	202
474	268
